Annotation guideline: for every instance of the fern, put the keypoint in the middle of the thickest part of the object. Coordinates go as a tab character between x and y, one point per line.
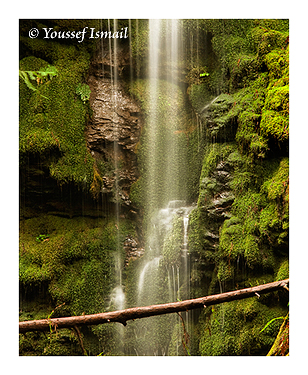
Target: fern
84	91
40	76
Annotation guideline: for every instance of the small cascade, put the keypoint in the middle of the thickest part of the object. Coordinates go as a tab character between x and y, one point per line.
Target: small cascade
118	296
164	276
144	287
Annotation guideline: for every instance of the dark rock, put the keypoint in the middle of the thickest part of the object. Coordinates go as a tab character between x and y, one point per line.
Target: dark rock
217	119
132	249
218	201
222	176
114	130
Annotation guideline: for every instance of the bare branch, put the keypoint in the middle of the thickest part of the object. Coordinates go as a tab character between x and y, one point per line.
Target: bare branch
123	316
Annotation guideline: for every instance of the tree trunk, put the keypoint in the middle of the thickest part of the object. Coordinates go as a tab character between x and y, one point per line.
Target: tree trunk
281	344
146	311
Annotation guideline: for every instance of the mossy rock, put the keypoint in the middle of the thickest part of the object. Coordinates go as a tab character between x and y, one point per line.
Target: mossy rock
275	116
53	119
234	328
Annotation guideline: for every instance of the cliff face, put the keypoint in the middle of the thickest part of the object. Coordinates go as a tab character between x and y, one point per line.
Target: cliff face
114	129
239	231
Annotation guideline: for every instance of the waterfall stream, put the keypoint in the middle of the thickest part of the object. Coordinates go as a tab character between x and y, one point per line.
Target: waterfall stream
163	273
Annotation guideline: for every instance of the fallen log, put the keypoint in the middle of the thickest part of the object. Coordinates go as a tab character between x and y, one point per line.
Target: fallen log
123	316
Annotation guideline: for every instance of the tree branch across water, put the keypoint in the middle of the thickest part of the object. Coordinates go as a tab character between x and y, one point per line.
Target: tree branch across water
123	316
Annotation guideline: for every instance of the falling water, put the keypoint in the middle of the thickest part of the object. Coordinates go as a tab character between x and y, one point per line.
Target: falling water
164	271
150	268
209	104
130	50
120	297
117	297
172	259
154	46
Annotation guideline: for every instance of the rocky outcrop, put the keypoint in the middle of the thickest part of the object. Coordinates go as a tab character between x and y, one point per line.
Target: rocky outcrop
114	129
220	124
132	249
217	203
215	184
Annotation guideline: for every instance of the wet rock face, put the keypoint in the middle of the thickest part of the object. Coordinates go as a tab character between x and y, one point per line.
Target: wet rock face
217	203
114	130
220	124
115	117
132	249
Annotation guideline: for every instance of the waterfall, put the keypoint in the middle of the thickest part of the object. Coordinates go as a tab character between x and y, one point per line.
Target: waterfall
154	46
168	255
120	297
163	274
148	272
110	86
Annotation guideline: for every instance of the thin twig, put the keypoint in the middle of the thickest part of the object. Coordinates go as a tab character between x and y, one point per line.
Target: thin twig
185	338
76	329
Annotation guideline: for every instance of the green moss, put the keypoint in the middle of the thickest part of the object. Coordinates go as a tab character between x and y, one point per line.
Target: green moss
173	243
270	35
76	260
275	116
52	118
234	328
239	235
277	62
194	235
136	193
74	265
242	54
274	218
215	153
199	95
283	271
259	221
65	342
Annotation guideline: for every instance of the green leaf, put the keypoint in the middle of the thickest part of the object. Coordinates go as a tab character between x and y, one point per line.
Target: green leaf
25	77
84	91
270	322
48	72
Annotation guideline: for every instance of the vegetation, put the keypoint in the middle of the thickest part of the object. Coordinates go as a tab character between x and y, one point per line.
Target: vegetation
74	263
51	119
220	140
253	240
